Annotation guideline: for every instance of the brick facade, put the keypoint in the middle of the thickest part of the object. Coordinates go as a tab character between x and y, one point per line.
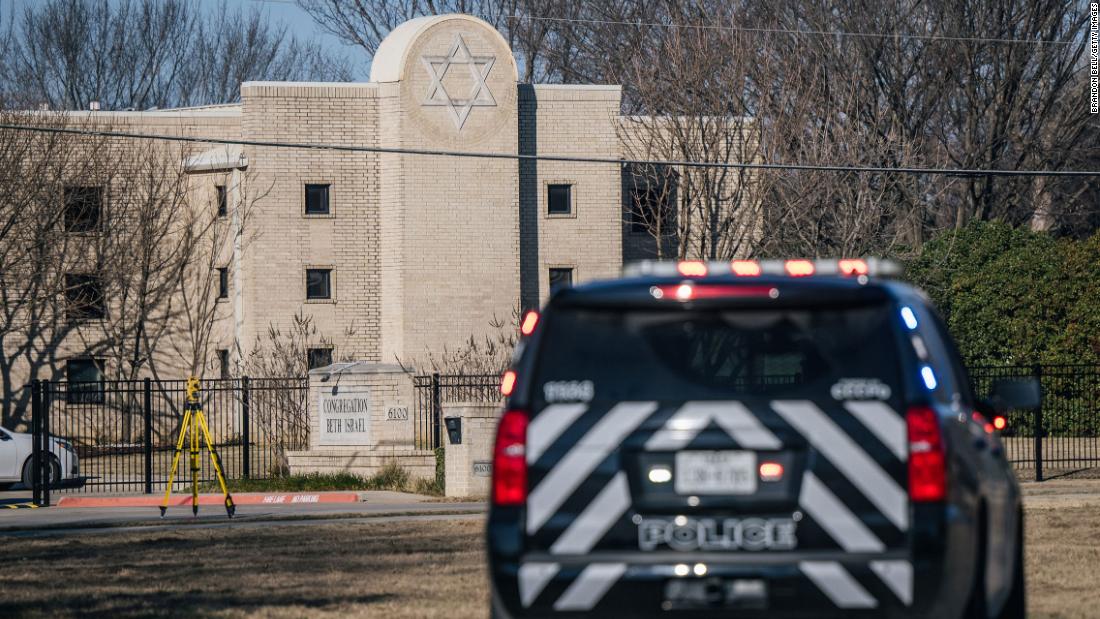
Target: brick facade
424	250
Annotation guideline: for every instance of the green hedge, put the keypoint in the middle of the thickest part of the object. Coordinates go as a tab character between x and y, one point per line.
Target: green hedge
1012	296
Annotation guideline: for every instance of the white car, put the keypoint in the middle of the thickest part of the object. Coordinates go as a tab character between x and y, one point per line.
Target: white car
16	449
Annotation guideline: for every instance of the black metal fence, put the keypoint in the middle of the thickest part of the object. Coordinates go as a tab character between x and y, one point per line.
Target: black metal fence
433	390
1063	434
124	432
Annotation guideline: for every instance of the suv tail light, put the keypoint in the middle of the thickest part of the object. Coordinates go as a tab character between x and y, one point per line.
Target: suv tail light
510	460
927	461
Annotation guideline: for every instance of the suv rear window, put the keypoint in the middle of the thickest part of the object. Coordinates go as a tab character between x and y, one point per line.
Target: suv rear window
716	354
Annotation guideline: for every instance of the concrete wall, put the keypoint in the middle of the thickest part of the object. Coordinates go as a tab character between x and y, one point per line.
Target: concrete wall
468	465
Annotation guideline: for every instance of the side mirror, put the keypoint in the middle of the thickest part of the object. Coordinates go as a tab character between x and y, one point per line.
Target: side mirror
1016	394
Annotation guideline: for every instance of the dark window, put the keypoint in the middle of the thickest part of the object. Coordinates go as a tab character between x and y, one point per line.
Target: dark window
84	297
223	204
317	200
650	207
85	381
795	353
83	208
318	283
559	199
223	363
560	278
223	282
319	357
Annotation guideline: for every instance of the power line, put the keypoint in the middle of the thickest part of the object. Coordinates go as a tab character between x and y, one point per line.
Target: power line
789	31
670	163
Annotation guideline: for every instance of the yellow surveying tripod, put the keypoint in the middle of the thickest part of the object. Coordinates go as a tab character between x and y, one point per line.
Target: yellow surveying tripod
194	422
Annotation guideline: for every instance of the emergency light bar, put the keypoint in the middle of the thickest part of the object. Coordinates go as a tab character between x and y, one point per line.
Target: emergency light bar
843	267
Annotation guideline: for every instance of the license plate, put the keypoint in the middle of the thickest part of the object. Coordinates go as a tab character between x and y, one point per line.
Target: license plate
715	472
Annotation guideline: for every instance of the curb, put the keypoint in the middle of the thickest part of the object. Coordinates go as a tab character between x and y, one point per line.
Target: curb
255	498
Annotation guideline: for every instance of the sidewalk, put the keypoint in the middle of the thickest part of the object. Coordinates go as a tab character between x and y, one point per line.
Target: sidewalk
144	509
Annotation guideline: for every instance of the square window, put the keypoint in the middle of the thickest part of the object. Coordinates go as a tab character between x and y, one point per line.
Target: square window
85	381
223	282
84	297
560	278
223	203
319	357
83	208
318	283
559	199
223	363
317	200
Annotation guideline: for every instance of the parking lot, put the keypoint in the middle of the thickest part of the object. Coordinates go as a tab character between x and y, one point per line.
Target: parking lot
397	566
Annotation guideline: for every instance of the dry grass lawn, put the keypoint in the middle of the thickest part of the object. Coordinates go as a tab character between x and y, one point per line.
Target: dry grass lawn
410	569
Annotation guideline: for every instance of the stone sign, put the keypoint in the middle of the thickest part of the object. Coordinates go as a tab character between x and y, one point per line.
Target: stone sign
344	416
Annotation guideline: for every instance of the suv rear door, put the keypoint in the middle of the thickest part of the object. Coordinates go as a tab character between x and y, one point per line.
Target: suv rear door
708	396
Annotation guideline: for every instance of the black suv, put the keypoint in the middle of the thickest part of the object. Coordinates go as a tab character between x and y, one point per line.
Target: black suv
776	438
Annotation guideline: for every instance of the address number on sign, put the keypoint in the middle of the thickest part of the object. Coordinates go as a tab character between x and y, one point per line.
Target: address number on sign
397	413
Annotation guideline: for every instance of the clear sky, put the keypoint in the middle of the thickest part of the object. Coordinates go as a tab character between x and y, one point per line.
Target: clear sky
286	12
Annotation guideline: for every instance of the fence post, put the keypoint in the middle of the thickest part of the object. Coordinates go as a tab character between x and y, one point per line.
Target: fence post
1037	372
36	443
45	450
147	410
246	439
437	413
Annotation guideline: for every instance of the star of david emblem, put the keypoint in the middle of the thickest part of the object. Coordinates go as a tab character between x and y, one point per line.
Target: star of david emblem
479	66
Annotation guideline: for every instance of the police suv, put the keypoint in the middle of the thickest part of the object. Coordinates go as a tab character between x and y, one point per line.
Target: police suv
773	438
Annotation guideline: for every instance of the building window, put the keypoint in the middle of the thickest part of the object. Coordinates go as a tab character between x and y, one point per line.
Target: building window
650	205
319	357
317	200
83	208
85	381
223	363
318	283
559	199
84	297
560	278
223	282
223	203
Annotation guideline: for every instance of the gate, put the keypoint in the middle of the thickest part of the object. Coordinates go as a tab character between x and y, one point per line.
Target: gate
432	390
124	432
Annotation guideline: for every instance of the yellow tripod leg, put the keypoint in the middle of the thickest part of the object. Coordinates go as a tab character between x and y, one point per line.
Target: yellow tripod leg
176	459
230	506
195	468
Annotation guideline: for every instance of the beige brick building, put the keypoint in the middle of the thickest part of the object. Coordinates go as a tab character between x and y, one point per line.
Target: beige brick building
396	254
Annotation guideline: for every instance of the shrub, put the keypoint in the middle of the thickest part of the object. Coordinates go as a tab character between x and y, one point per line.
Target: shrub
1012	296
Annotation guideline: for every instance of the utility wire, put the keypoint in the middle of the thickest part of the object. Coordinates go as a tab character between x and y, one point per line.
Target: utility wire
671	163
828	33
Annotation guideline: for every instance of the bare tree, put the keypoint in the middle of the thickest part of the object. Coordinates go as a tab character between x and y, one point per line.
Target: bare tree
141	54
51	196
